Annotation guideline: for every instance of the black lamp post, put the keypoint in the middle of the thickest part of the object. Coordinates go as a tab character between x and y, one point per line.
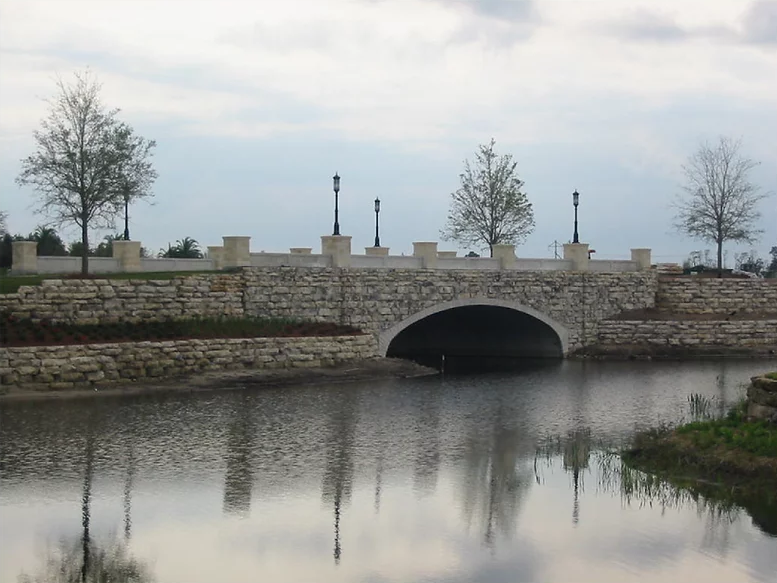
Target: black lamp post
575	201
126	215
377	232
336	185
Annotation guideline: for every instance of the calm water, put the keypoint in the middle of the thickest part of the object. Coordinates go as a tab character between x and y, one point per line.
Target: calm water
493	478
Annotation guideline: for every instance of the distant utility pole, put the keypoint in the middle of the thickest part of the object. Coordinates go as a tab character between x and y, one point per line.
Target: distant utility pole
555	245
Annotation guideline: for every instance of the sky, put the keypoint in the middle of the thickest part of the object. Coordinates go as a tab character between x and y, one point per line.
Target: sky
254	105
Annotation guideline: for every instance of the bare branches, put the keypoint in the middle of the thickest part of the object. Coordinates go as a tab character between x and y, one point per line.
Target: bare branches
489	207
720	203
86	163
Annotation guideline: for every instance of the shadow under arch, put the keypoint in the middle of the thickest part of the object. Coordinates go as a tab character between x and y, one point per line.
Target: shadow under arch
483	326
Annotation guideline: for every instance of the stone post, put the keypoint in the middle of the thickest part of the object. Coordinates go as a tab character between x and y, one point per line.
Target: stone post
506	255
301	250
338	247
128	254
216	253
642	257
377	251
427	252
578	253
24	257
236	252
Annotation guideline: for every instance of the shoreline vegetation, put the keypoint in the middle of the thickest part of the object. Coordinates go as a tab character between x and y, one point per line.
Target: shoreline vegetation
726	460
733	450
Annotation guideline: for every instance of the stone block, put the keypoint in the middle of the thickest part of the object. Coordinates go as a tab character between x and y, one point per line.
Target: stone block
427	251
24	257
128	255
376	251
338	247
237	252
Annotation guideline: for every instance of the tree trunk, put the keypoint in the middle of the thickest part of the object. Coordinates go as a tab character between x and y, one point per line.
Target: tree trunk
720	258
85	249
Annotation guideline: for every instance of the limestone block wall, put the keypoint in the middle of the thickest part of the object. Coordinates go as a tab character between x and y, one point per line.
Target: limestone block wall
374	300
694	295
680	336
67	367
762	398
370	299
93	301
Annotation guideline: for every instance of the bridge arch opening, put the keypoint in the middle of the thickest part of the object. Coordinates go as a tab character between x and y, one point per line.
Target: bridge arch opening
487	330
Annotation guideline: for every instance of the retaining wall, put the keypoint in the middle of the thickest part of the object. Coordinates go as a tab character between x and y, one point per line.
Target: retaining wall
78	366
701	295
685	337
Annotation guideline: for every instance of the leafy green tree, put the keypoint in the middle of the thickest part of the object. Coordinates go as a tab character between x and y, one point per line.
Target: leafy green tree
773	264
489	207
49	242
86	161
3	223
186	248
6	249
720	202
76	249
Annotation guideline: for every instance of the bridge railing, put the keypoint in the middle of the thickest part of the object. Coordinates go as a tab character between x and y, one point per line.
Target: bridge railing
335	252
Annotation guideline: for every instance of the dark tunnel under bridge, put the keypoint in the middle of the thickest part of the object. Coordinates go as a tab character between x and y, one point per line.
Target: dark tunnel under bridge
475	331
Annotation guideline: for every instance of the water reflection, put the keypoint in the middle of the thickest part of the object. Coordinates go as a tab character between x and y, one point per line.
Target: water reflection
109	562
241	442
496	476
442	479
338	475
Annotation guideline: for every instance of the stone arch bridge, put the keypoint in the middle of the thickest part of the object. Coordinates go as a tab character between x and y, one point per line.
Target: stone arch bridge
473	312
434	311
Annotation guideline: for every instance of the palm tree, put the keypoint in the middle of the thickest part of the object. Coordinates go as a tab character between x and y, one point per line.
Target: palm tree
186	248
49	243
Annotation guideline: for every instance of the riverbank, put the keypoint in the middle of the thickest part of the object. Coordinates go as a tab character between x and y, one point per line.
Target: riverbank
735	451
367	369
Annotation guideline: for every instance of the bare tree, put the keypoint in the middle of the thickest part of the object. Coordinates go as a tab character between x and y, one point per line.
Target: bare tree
720	203
86	162
3	223
489	207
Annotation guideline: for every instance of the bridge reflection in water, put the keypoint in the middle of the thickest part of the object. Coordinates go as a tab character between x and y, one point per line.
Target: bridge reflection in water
479	336
347	477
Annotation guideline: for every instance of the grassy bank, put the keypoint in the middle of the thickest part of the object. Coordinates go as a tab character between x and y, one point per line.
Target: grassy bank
731	450
10	284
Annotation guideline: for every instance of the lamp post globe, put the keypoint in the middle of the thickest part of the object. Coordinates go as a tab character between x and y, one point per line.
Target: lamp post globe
336	188
377	231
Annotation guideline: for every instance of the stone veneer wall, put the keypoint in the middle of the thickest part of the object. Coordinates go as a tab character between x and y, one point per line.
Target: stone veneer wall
369	299
697	295
76	366
688	336
762	398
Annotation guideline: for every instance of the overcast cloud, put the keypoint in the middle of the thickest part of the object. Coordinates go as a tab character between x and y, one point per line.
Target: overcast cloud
255	105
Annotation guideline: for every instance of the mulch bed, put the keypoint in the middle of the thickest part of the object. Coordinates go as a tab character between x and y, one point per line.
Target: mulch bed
16	332
657	314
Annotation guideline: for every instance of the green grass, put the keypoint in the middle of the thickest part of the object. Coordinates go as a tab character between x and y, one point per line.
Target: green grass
11	283
756	437
771	375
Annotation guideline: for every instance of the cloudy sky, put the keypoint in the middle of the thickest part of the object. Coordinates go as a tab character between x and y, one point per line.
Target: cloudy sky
255	105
